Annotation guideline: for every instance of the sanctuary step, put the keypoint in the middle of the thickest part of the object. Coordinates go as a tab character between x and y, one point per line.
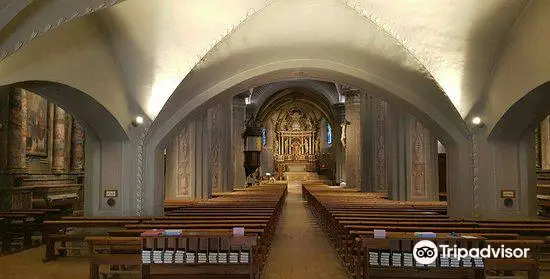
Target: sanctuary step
301	176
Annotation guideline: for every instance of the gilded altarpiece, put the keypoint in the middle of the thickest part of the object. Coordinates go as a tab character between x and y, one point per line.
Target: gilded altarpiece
296	142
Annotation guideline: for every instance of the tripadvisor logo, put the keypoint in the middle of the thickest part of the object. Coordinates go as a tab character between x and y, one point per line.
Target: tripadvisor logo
425	252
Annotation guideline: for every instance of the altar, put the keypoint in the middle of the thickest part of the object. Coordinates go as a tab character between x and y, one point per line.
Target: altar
296	166
301	176
296	146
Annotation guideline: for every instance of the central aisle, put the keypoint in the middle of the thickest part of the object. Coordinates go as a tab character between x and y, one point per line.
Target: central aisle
300	248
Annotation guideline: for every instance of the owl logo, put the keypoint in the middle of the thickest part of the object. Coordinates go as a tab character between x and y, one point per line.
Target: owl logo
425	252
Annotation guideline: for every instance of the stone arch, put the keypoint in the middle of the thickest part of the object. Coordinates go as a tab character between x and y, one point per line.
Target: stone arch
511	141
263	93
275	100
523	115
447	125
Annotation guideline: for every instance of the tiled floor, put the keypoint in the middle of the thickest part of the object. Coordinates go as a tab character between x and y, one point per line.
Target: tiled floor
300	249
28	265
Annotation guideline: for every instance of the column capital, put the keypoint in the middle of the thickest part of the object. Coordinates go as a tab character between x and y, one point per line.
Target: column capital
243	95
352	94
239	99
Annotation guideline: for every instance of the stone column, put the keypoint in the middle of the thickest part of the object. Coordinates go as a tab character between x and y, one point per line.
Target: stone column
353	137
398	152
202	153
77	147
422	163
59	146
17	131
226	135
238	125
337	145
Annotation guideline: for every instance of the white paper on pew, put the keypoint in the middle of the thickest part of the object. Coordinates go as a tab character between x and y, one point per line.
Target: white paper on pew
379	233
238	231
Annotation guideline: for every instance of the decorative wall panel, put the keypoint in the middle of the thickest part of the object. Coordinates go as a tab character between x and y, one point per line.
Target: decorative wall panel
183	163
380	165
418	159
214	134
544	144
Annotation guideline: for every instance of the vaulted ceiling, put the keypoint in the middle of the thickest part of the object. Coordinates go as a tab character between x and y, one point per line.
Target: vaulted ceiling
151	49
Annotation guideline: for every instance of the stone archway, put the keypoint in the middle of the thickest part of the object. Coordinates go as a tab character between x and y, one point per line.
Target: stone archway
104	142
447	125
507	156
296	120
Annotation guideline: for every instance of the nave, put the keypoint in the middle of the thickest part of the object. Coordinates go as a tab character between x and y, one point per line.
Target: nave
318	232
300	249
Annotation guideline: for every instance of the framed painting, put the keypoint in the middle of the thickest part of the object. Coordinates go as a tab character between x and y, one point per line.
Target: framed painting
37	125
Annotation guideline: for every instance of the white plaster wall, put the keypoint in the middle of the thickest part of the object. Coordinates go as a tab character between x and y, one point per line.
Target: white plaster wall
76	55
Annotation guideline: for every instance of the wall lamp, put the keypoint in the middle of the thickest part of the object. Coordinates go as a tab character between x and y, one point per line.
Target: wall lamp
477	121
138	121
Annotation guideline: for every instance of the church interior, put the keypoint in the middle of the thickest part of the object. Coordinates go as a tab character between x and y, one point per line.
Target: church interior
274	139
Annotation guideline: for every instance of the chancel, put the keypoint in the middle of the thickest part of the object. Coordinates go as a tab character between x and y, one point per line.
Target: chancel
273	138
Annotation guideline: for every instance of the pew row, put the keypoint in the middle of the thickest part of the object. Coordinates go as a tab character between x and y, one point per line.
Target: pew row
350	228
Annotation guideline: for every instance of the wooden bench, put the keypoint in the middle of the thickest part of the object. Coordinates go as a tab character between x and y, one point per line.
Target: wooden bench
217	251
256	209
56	231
113	251
529	264
345	223
399	244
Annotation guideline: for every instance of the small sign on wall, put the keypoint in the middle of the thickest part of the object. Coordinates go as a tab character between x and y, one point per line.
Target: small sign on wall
111	193
507	194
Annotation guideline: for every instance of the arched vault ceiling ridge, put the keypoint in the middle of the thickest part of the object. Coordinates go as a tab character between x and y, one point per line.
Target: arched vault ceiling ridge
401	41
230	30
36	26
457	46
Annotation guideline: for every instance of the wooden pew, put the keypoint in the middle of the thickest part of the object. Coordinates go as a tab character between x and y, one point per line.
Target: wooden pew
346	223
256	209
16	227
213	247
529	264
56	231
403	243
113	251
